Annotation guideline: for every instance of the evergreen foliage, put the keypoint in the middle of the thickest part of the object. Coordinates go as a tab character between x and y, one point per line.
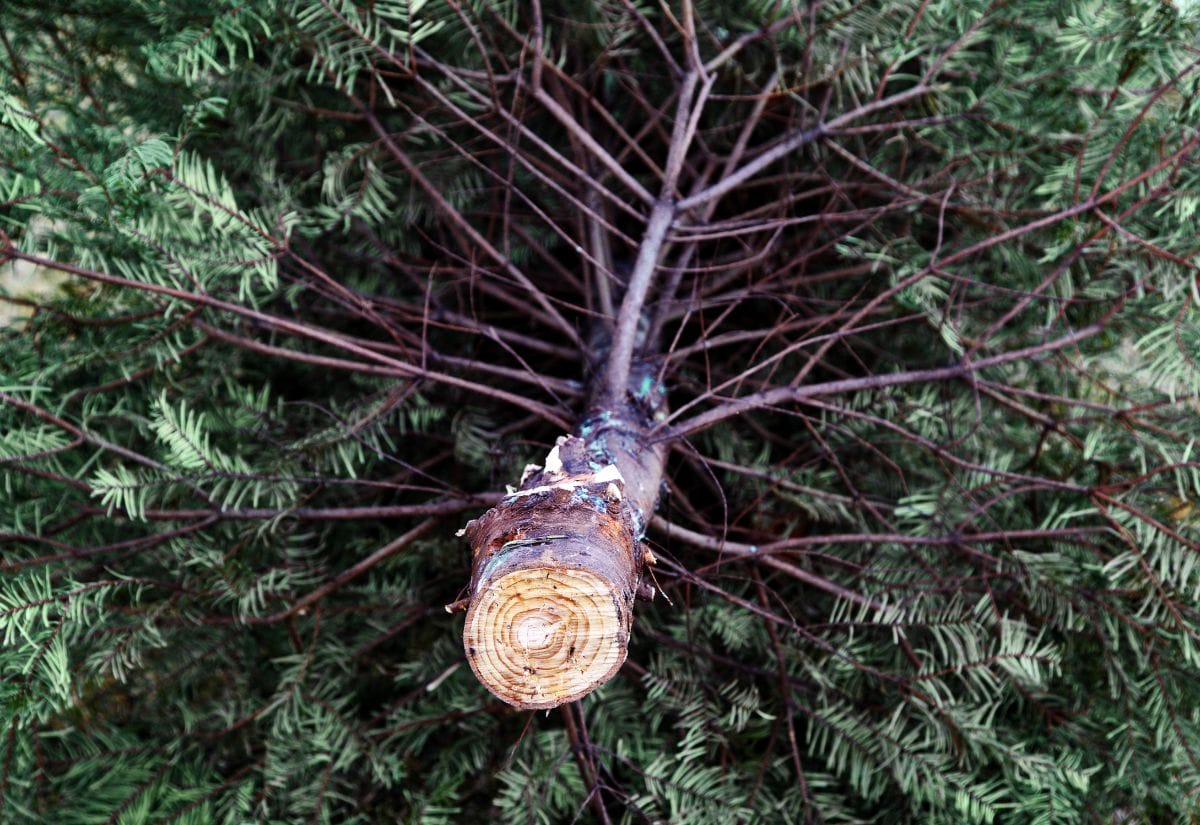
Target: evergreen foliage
334	271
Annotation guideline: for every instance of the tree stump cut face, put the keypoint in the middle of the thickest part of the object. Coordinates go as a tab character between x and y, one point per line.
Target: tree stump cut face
541	637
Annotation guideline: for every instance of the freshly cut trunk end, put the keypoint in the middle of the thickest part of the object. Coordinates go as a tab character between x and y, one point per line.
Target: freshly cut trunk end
555	570
540	637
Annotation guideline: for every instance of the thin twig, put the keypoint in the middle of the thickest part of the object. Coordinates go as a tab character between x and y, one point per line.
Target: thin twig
750	551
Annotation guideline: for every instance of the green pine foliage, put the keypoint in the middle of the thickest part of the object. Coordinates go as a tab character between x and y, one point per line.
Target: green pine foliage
276	346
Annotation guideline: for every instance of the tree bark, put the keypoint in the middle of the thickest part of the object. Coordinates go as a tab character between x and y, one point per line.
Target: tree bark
557	564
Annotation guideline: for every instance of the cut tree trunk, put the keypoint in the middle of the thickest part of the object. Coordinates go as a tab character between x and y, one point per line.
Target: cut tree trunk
557	564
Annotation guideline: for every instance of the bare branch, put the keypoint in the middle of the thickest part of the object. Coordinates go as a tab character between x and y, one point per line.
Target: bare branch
783	395
463	224
750	551
793	142
295	328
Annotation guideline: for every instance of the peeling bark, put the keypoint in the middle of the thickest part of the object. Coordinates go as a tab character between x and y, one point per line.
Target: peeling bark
557	564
